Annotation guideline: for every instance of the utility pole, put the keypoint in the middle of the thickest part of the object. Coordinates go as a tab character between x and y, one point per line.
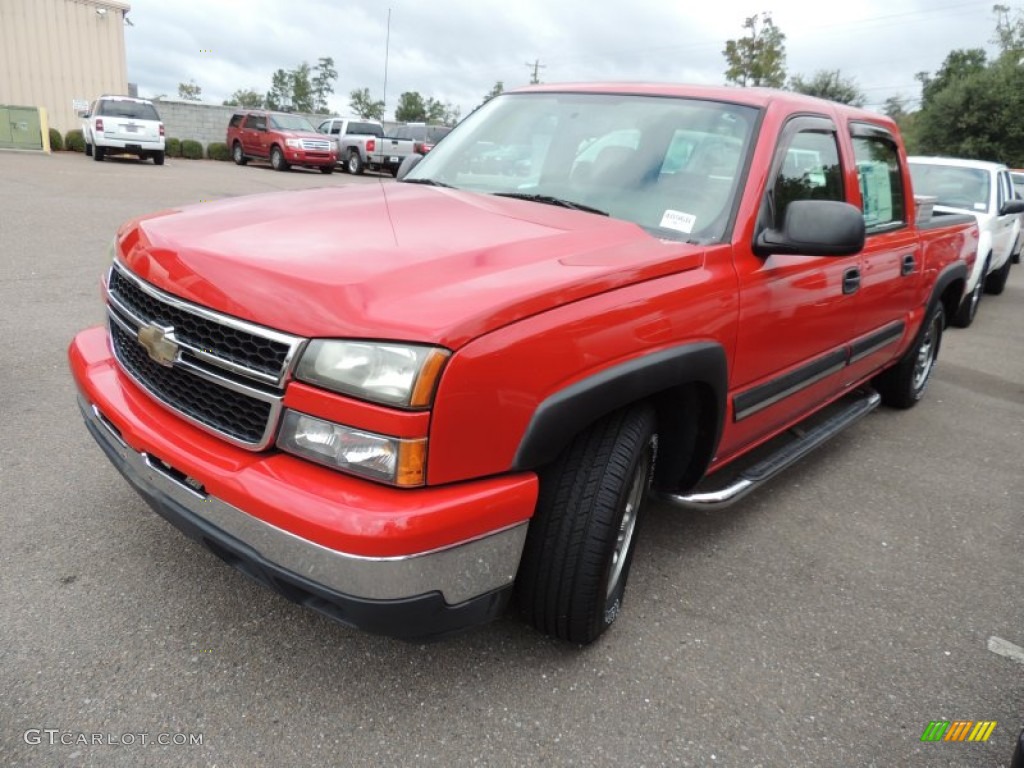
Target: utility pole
387	50
536	66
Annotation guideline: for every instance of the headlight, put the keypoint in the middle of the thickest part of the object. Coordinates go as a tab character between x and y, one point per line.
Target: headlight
391	459
293	143
394	374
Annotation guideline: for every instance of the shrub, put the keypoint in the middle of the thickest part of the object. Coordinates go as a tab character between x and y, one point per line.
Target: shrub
56	140
74	141
218	150
172	148
192	150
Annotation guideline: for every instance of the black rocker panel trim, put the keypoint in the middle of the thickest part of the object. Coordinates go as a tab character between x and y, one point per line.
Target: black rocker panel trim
763	395
567	412
890	334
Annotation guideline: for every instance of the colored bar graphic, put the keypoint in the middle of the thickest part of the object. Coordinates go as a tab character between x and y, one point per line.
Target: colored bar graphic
958	730
935	731
982	730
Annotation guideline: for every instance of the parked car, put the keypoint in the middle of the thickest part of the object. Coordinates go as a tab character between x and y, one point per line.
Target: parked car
122	125
361	144
423	136
283	139
985	190
459	388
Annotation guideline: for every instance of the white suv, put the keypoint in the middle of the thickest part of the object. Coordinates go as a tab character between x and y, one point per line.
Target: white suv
121	125
984	190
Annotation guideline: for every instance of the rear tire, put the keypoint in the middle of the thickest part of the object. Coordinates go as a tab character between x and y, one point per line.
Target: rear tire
158	157
580	543
903	385
996	282
88	150
98	154
354	163
238	155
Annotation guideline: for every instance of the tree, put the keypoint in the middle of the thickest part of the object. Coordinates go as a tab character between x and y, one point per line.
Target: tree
190	91
497	90
977	116
301	88
1009	32
323	84
829	84
759	59
279	95
362	104
245	97
411	108
959	64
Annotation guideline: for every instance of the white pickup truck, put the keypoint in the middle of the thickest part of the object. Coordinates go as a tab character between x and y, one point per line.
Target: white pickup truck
362	144
986	191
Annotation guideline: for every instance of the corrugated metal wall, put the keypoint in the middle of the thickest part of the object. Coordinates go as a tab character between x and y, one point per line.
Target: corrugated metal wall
53	52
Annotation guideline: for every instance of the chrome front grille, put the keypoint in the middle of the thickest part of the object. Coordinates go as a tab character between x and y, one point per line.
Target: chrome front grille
223	374
316	145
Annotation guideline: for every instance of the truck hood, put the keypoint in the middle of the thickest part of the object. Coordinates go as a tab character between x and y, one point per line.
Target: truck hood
391	261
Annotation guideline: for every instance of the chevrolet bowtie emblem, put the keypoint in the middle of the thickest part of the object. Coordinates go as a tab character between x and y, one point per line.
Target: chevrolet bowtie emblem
160	348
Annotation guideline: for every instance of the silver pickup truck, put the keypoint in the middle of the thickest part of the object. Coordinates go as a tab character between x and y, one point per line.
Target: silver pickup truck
362	144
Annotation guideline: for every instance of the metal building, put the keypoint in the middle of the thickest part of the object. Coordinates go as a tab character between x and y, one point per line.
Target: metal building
61	54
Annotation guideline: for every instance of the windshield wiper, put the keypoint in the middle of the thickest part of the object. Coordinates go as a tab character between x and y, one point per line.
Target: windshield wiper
551	200
428	182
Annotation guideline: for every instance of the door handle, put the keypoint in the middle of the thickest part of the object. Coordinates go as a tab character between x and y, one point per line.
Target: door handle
851	280
907	265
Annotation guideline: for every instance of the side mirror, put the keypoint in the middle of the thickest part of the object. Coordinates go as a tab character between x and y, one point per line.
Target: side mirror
815	228
410	162
1012	206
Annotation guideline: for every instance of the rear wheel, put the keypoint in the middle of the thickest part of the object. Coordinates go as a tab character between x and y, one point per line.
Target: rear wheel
98	153
238	155
158	157
996	282
581	540
277	161
88	150
354	163
903	385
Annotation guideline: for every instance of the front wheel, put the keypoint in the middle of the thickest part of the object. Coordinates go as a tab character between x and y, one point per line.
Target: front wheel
327	169
996	282
903	385
277	161
581	540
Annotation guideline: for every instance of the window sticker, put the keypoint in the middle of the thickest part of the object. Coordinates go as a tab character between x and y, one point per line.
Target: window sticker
679	221
979	206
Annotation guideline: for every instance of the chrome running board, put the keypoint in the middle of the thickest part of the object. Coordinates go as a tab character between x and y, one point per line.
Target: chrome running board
785	457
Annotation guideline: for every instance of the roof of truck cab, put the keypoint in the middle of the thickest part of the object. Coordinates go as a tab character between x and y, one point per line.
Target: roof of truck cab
753	97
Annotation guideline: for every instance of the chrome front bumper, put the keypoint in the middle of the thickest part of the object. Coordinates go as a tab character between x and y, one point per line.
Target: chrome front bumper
458	586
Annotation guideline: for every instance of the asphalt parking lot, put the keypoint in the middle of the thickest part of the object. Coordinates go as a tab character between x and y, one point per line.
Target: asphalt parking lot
823	621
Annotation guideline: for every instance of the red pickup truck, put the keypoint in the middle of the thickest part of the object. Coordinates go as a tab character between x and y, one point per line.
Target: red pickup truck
461	388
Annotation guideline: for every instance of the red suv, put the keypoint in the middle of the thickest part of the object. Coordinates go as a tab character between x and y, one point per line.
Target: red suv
283	139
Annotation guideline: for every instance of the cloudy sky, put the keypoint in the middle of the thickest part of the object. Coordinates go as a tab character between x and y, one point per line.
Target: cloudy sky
455	50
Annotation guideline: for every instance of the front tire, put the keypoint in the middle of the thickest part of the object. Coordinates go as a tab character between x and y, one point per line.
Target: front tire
327	170
969	306
903	385
581	540
996	282
277	161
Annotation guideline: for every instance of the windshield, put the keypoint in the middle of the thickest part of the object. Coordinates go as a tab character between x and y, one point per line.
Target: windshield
670	165
953	186
291	123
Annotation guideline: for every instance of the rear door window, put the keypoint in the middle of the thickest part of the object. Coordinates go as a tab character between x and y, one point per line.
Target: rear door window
881	183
